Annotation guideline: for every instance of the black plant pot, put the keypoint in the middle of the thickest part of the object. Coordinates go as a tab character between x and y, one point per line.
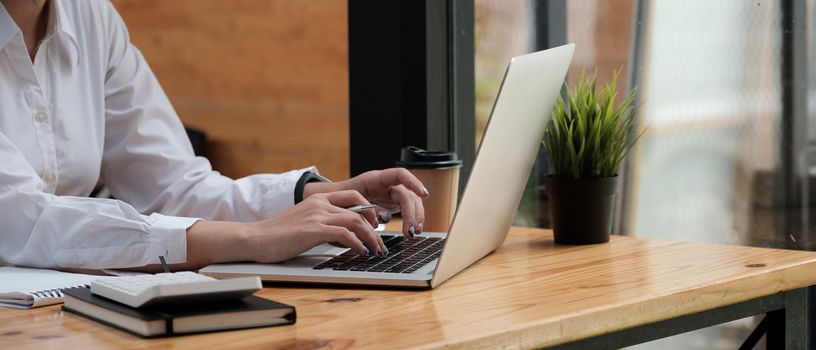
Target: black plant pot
581	210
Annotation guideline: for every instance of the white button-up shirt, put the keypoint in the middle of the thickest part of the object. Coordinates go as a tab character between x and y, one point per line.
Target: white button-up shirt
89	107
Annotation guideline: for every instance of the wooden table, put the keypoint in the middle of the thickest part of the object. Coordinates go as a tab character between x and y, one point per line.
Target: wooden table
529	293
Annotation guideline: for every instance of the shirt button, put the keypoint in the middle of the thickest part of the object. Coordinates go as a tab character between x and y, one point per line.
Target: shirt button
48	177
39	117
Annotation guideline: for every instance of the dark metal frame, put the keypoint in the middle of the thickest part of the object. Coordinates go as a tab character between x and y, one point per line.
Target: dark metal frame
462	90
794	84
634	75
550	31
411	80
792	175
786	322
550	23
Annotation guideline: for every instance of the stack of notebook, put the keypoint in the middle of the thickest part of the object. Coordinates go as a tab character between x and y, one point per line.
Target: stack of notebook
28	288
179	318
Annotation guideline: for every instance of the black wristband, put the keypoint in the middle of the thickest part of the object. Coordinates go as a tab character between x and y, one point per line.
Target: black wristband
307	177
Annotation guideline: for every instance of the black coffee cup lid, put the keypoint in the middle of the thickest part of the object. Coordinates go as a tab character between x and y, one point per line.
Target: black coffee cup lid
413	157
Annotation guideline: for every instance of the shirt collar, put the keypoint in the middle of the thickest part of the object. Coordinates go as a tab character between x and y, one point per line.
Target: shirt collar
62	22
7	27
58	23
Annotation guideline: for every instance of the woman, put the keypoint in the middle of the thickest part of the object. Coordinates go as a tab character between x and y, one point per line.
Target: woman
78	101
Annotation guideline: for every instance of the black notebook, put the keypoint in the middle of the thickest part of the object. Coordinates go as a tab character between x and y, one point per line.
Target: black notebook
184	318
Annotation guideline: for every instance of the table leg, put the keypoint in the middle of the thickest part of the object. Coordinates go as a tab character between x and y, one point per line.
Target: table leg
787	327
811	321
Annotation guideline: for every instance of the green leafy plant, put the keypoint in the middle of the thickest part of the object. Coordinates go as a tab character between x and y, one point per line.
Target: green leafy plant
588	136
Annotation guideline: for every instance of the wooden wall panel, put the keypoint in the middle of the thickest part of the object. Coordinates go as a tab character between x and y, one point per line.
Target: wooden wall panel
266	79
602	32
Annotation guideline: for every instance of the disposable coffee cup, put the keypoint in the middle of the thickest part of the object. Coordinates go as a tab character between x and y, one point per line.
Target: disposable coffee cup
439	172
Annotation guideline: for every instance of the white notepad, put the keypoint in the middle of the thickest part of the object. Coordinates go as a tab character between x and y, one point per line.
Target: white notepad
24	288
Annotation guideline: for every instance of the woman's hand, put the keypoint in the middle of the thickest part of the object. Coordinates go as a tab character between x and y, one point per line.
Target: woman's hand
317	219
393	189
321	218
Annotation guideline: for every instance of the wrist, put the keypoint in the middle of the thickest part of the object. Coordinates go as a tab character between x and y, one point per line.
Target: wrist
305	179
241	243
210	242
318	187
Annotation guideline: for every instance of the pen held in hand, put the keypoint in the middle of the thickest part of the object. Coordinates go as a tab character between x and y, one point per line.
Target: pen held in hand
361	208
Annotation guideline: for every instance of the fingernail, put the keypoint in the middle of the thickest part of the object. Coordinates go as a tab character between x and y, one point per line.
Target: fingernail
367	253
412	231
425	191
387	253
419	227
384	216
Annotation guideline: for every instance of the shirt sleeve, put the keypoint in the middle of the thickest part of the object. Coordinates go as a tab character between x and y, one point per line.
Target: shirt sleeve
44	230
148	160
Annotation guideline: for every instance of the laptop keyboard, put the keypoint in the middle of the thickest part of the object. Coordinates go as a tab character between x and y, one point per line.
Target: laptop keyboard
406	256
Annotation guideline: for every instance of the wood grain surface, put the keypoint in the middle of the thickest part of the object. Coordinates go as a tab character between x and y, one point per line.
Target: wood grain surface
266	79
528	293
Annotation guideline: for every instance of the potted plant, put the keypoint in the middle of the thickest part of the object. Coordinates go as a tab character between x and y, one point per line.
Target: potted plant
586	140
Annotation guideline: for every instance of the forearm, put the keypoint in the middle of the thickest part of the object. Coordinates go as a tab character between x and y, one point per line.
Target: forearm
210	242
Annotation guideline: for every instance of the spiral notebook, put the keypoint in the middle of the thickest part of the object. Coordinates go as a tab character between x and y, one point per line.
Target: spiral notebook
25	288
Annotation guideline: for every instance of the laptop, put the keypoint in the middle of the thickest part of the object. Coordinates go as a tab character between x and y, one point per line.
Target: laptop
492	194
